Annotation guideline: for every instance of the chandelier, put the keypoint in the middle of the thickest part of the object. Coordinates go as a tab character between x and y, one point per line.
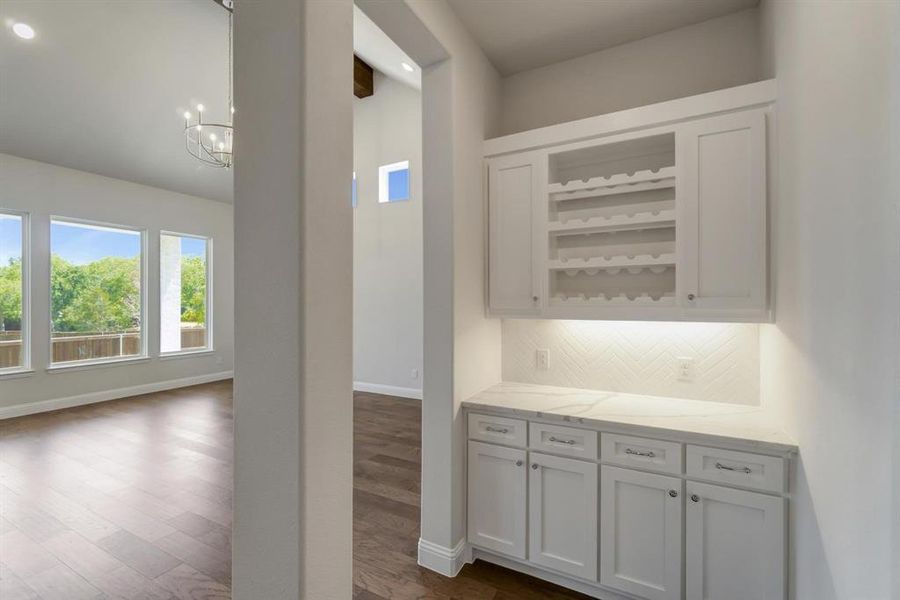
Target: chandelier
207	141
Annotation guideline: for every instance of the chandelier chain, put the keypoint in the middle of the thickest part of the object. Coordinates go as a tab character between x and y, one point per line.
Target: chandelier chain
230	60
207	140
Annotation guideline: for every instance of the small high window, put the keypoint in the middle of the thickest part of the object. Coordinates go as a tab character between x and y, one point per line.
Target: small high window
393	182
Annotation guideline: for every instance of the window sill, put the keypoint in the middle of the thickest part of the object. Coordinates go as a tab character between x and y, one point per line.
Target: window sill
186	354
16	373
95	364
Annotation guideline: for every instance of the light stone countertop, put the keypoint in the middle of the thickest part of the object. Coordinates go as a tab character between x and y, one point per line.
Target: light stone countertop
686	420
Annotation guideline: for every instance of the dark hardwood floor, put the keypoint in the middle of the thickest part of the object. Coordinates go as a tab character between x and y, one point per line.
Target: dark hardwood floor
131	499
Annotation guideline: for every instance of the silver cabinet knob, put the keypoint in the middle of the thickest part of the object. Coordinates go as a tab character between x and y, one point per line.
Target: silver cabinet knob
535	298
673	493
691	297
695	498
534	466
518	463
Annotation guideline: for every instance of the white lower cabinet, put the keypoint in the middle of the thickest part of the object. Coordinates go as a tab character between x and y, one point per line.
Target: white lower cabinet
562	514
497	495
607	529
641	533
735	544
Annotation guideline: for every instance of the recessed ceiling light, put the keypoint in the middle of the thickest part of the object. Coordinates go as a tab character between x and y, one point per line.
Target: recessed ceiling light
407	67
23	30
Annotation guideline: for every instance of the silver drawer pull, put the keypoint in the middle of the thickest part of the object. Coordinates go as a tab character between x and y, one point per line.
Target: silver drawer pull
648	454
497	429
722	467
561	441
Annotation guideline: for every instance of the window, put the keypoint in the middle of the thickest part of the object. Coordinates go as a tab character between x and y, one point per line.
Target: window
13	290
393	182
96	292
184	293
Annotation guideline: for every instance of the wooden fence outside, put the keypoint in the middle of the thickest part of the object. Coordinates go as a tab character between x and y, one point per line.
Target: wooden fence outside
86	346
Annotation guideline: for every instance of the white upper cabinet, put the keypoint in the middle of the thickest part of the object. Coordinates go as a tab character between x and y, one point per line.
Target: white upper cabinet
514	188
722	214
657	213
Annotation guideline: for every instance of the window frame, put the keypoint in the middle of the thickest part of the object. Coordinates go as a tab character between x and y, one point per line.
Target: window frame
92	362
384	172
209	347
25	352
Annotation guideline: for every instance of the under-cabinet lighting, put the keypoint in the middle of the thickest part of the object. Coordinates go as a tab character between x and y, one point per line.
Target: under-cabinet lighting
407	66
662	326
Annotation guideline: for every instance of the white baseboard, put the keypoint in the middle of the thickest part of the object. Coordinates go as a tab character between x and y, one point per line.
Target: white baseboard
443	560
30	408
388	390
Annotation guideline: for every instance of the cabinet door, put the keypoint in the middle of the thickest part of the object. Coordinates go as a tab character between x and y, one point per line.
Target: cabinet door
640	533
496	510
721	208
735	544
562	522
514	189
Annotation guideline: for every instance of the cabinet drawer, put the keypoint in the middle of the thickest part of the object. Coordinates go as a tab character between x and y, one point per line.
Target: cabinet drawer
499	430
642	453
737	468
581	443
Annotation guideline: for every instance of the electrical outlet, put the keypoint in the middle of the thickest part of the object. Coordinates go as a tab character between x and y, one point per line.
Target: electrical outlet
542	360
414	374
685	368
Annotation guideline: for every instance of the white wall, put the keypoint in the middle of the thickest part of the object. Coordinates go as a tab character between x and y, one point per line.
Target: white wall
637	357
460	105
895	154
829	362
387	243
715	54
293	497
44	190
460	101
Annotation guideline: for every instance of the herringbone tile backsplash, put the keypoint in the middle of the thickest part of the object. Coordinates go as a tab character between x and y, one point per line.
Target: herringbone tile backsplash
637	357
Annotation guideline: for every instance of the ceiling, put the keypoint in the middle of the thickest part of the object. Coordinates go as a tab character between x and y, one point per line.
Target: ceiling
373	45
104	84
518	35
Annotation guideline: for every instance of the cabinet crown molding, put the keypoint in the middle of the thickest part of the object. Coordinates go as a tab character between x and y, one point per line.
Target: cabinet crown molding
751	95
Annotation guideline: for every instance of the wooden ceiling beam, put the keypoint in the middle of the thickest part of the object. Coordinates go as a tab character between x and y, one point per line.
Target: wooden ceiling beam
363	78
